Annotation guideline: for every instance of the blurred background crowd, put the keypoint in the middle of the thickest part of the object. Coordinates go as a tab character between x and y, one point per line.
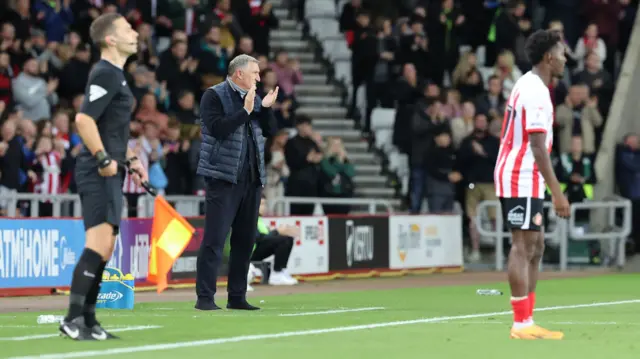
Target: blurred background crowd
445	66
448	67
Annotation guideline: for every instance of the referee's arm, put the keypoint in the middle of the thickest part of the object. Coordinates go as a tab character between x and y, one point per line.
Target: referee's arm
213	117
100	91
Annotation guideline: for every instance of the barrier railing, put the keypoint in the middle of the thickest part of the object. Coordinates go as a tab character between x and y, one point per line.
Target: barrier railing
63	205
188	206
615	235
563	229
67	205
557	232
285	202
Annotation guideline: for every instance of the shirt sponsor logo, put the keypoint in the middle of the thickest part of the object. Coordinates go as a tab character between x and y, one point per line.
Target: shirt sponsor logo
516	216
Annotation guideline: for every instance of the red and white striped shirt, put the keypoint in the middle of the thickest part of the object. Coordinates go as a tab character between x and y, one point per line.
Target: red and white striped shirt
142	152
528	110
51	177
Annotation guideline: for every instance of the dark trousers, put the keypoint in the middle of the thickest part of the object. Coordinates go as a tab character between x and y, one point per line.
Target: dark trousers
418	189
377	93
277	245
357	80
132	204
228	206
45	210
635	223
439	197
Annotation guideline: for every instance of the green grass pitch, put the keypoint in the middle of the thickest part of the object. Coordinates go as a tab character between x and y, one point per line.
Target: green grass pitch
430	322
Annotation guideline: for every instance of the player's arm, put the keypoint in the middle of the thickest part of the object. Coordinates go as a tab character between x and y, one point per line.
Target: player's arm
536	128
538	142
101	89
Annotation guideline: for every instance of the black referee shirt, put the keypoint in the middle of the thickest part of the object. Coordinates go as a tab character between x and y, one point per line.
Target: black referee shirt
109	101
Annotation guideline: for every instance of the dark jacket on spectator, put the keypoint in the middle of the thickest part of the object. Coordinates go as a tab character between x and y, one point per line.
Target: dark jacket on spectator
507	30
6	76
169	71
406	97
178	172
303	180
567	166
411	52
484	105
440	162
423	131
11	164
185	116
55	23
364	53
22	25
606	16
258	26
474	167
223	133
348	18
75	75
628	171
625	26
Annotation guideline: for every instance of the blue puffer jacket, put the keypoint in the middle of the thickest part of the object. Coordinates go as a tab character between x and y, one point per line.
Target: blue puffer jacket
221	158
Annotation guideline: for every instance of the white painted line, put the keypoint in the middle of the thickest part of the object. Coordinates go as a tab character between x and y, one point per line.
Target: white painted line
44	336
485	322
331	312
245	338
20	326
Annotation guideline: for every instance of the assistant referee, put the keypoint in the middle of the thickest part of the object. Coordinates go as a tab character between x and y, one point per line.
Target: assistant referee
103	125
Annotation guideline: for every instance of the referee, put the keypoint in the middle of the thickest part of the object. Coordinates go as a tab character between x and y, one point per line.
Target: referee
103	125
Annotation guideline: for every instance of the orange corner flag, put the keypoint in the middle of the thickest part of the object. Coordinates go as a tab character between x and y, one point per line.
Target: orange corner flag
170	235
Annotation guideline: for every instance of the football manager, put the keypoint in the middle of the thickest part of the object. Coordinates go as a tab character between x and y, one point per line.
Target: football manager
232	163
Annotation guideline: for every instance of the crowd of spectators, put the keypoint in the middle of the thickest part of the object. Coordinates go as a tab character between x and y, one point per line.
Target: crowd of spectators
185	47
406	54
450	103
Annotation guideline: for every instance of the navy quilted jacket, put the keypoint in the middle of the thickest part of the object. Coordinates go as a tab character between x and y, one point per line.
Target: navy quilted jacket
223	118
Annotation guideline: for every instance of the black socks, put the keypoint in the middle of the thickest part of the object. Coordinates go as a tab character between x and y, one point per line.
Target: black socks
92	297
84	277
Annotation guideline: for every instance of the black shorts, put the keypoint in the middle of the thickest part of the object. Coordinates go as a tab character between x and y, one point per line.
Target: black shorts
522	213
100	197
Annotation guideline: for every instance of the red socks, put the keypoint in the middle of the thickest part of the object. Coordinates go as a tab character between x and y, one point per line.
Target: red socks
520	309
532	304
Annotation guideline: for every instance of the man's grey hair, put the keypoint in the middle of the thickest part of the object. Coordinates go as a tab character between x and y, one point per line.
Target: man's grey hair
240	62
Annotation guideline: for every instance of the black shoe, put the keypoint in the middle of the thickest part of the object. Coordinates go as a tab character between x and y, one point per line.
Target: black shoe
240	304
98	333
76	329
203	304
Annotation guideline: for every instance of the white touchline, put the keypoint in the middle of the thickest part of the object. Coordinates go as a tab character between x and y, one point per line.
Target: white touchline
331	312
485	322
20	326
244	338
44	336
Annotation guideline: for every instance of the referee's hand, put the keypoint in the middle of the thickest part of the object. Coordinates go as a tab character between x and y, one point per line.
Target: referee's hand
110	170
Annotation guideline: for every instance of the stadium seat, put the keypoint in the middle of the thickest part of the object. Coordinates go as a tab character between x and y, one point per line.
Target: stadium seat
320	8
382	118
335	48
